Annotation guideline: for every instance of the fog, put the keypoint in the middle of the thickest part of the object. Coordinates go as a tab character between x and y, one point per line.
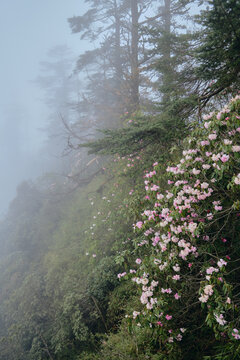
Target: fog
28	31
40	50
114	204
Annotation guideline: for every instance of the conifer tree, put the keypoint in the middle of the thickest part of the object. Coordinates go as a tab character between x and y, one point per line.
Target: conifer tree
103	65
167	57
219	52
117	67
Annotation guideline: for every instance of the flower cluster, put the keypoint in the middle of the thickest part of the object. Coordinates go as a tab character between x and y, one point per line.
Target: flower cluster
179	233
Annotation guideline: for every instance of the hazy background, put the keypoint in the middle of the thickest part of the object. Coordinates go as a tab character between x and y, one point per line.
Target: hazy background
28	30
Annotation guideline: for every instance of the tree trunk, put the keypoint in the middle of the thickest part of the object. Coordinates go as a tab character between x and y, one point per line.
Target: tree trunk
118	53
167	48
134	85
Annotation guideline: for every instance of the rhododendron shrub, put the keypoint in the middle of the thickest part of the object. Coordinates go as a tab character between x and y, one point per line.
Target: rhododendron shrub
188	255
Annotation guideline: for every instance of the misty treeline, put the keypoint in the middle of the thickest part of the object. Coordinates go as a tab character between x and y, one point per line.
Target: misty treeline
153	69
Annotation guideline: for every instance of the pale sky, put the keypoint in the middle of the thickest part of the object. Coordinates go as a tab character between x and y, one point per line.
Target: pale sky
28	30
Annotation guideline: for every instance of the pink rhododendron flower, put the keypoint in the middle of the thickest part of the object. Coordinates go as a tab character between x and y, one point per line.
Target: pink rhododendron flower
221	263
139	224
237	179
208	290
227	142
210	216
224	158
216	157
195	171
220	319
154	283
204	142
212	136
176	277
149	306
144	299
207	124
121	275
135	314
204	185
211	270
168	291
160	196
144	281
236	148
176	268
235	334
154	187
204	298
132	271
192	227
179	337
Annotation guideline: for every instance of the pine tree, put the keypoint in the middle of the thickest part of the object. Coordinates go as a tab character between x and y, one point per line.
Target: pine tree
103	65
173	48
167	58
219	52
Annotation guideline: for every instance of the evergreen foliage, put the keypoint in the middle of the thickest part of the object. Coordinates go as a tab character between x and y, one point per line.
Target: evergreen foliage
219	49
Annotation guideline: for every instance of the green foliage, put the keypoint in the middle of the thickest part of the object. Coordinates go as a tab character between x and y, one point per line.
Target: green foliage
141	132
55	301
219	49
65	252
201	291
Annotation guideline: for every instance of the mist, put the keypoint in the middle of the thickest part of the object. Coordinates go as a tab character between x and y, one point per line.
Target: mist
28	32
120	158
